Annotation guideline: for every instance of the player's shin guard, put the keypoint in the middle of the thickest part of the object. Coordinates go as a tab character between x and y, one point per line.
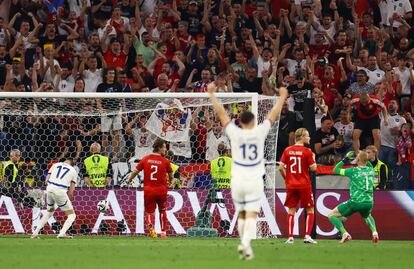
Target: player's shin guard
240	227
163	220
291	224
42	222
338	224
309	223
249	231
69	221
371	223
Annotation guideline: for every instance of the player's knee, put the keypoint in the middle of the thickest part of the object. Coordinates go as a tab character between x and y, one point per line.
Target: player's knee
310	210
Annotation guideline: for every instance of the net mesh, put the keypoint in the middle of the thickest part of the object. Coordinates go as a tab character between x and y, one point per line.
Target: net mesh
48	129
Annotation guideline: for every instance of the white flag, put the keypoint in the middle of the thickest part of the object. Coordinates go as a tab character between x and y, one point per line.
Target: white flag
169	122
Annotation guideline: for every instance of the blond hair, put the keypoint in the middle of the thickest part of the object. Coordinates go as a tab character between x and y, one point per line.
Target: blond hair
372	148
299	133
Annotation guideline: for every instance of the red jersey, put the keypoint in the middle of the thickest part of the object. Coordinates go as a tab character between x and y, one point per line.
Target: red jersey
115	61
297	159
156	169
369	111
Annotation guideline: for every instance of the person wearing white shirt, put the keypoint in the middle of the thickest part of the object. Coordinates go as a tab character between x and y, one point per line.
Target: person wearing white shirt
345	127
389	135
61	183
143	139
46	66
298	63
67	81
263	61
215	137
406	75
91	76
162	83
375	75
393	9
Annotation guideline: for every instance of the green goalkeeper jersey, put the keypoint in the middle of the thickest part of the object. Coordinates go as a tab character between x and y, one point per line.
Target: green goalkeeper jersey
361	183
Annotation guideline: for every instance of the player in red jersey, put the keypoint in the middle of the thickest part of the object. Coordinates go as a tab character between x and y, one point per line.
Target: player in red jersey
295	163
158	175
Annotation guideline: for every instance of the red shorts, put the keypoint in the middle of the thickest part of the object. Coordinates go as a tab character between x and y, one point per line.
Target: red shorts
305	196
154	197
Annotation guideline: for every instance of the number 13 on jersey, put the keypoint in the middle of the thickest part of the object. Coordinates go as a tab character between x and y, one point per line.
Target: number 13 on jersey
249	151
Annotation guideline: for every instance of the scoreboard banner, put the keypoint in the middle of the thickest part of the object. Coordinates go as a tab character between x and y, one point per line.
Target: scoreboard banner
393	213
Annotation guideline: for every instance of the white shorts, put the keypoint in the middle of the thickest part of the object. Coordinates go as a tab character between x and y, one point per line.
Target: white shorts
58	198
247	192
111	123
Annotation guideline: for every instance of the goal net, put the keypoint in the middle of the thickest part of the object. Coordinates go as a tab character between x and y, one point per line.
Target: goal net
39	129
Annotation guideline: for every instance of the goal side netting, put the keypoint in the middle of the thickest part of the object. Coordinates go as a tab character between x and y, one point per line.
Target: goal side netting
48	127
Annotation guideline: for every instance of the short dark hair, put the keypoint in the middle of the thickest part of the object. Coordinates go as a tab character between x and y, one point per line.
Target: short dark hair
325	118
159	143
246	117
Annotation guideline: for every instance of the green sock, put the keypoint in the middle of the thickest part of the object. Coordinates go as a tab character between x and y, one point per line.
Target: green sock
338	224
371	223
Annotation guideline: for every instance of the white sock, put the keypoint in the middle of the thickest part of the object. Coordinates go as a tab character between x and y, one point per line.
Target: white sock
240	227
43	222
249	231
70	219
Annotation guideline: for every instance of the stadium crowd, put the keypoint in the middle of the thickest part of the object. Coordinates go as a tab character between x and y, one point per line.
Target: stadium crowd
354	58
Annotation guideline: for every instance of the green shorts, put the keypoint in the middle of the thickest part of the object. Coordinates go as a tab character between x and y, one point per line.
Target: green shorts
349	207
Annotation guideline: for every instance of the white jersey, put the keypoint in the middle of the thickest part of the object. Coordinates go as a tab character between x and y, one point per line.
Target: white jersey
345	131
405	79
387	138
375	76
143	142
62	175
247	148
212	144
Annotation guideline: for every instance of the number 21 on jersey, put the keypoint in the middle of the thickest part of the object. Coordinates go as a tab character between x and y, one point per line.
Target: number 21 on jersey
296	165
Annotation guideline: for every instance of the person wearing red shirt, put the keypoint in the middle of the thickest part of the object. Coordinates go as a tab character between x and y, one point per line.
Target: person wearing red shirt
158	175
295	163
319	49
116	55
368	108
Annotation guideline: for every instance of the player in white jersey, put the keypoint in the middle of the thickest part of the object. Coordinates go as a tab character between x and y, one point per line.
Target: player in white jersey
61	182
247	147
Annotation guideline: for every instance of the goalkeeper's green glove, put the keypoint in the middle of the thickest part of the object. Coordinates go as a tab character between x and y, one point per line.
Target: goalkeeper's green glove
349	156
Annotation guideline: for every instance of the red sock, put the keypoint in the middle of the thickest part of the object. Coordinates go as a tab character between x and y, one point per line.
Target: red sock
163	220
291	224
149	220
309	223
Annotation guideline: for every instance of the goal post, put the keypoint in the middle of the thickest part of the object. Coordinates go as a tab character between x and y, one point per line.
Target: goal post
48	126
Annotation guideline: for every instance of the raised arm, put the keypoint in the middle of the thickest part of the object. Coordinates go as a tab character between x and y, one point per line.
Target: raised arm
277	108
218	107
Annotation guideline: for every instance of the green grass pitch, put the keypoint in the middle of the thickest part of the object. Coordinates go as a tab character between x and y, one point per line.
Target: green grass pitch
173	253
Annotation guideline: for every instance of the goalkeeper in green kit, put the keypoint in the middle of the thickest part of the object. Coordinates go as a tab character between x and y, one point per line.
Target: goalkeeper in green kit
361	192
